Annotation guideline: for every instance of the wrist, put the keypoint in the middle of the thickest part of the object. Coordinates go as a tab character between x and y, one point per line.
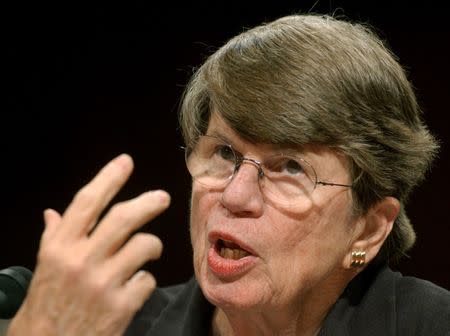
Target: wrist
21	326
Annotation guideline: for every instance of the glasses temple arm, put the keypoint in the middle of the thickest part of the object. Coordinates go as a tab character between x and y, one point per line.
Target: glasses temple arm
334	184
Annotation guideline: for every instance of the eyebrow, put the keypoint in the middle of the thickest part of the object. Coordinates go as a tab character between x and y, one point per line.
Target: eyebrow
219	135
277	148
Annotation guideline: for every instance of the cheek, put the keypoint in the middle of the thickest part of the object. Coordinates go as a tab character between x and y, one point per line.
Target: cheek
323	234
336	219
288	229
329	233
202	202
200	207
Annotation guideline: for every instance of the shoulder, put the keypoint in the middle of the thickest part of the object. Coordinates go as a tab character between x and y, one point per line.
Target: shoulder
380	301
410	306
421	306
159	301
175	310
414	290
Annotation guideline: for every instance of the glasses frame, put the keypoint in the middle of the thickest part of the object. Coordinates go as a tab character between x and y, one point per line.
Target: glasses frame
239	159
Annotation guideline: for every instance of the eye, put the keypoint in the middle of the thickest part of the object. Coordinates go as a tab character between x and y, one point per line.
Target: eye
225	152
292	167
285	165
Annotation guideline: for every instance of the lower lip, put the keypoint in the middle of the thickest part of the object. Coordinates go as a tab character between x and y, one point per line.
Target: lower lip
228	268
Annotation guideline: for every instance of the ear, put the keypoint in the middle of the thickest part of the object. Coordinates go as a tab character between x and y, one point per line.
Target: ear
373	228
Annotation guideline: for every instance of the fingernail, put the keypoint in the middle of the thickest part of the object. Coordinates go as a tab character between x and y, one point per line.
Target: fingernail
123	160
164	197
138	275
47	213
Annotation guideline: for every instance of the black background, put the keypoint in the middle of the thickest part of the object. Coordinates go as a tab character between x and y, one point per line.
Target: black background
83	82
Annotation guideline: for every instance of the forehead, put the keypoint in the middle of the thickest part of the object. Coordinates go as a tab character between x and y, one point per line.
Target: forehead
219	128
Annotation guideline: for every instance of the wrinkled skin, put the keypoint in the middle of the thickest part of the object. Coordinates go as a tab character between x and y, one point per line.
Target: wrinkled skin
85	283
301	253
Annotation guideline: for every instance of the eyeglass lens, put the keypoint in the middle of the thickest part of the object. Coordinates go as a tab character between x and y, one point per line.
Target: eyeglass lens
213	163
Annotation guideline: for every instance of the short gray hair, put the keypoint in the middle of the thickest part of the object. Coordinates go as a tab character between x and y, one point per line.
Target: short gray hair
309	79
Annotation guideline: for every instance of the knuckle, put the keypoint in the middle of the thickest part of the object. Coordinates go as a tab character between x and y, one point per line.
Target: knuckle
85	197
119	212
98	286
149	243
67	265
48	254
75	268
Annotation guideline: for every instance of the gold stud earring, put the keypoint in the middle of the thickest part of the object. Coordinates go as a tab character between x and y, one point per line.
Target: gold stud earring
358	258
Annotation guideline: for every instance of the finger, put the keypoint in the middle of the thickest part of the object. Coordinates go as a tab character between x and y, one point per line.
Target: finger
91	200
52	220
125	218
141	248
137	290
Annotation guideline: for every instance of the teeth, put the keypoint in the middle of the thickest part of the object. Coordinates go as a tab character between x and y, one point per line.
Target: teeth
230	253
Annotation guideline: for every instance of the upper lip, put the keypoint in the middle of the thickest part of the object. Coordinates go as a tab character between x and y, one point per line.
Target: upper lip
215	236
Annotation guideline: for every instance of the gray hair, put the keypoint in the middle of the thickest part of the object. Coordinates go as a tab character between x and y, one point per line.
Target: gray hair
309	79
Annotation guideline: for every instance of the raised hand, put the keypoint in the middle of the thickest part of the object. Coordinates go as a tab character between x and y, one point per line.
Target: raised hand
85	282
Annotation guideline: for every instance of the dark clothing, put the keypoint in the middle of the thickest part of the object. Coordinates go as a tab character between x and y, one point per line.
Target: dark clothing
180	310
377	302
383	302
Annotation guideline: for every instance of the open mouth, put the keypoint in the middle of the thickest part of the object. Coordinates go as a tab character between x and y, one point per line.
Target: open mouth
230	250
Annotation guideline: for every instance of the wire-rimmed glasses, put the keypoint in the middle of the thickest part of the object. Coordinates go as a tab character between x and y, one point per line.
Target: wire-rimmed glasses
287	178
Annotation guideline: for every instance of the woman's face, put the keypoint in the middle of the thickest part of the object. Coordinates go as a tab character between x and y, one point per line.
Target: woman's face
251	253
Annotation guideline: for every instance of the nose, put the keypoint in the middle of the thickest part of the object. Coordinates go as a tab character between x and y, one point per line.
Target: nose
242	196
254	162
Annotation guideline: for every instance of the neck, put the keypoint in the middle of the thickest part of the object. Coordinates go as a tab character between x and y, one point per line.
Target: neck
304	318
229	324
303	315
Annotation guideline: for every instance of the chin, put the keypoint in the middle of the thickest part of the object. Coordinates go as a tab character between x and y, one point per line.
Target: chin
238	294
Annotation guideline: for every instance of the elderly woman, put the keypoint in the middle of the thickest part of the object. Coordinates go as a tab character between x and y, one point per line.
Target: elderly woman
304	141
